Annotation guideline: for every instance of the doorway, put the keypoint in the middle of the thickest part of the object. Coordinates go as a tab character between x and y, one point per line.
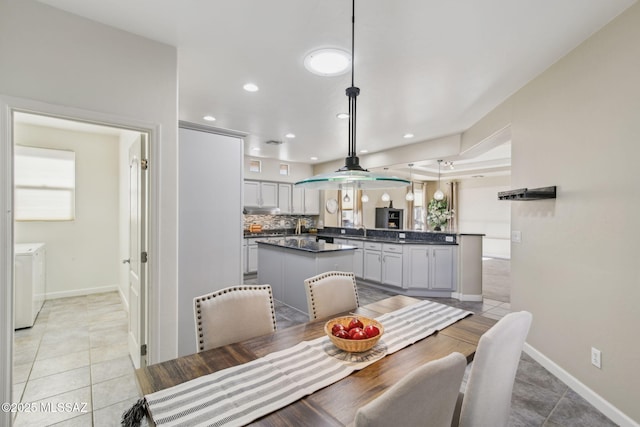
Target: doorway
85	251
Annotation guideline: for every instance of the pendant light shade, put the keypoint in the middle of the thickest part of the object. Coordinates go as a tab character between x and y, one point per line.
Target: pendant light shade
438	195
352	172
410	195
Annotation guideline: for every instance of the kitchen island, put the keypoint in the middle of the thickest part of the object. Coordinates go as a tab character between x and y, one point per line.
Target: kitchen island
285	263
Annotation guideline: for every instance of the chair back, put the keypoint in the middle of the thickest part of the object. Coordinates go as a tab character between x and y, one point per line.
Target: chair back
233	314
425	397
487	398
331	293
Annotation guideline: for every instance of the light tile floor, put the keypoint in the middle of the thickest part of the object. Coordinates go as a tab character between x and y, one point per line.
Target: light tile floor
77	353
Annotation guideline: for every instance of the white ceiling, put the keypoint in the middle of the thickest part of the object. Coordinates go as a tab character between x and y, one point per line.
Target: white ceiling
431	68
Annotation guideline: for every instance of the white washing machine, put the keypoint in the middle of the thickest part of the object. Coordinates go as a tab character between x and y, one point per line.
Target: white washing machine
30	284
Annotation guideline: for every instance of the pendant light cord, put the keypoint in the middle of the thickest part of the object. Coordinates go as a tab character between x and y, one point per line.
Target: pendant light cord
352	92
353	35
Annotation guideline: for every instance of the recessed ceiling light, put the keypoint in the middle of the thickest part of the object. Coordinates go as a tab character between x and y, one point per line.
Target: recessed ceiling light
290	135
364	150
250	87
209	118
328	62
342	115
314	158
408	135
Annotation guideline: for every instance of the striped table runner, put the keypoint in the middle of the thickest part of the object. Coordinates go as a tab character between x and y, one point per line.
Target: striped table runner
238	395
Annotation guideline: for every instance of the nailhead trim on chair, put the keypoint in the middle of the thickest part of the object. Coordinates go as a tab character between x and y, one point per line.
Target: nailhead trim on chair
322	276
224	291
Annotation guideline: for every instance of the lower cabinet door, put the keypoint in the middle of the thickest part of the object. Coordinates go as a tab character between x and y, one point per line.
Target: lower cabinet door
252	261
392	269
442	268
418	259
373	266
358	263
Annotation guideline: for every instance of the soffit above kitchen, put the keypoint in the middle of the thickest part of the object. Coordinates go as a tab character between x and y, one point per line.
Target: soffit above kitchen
426	68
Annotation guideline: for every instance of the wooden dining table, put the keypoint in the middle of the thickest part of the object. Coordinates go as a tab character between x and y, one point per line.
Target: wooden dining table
336	404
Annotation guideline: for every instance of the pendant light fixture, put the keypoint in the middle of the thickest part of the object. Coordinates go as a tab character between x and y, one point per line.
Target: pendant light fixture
410	195
438	195
352	172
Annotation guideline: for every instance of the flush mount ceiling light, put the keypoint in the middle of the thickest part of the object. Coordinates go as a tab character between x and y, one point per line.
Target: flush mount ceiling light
438	195
342	116
327	62
250	87
290	135
408	135
352	173
209	118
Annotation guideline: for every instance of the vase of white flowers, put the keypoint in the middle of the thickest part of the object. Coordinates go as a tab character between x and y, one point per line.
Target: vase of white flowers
438	214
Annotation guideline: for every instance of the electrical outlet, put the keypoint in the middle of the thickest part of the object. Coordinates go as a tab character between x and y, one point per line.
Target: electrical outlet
516	236
596	358
343	231
402	235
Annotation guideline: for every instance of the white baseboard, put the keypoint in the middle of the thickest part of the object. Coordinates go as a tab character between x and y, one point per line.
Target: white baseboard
125	301
81	292
466	297
613	413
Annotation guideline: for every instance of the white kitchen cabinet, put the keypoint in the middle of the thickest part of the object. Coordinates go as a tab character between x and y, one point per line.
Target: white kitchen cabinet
284	198
373	261
442	268
429	267
311	202
392	265
297	201
305	201
358	257
260	194
245	257
252	256
29	283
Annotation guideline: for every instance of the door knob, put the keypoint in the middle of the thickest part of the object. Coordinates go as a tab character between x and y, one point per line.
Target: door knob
126	261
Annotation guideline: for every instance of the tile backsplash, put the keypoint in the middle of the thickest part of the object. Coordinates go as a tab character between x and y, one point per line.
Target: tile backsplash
276	222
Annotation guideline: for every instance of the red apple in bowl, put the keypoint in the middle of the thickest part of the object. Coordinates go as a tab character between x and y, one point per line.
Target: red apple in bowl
371	331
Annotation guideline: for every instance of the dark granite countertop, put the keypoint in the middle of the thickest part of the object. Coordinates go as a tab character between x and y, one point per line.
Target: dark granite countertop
305	244
387	240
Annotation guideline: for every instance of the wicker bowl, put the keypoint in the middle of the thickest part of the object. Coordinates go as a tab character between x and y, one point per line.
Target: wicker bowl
353	346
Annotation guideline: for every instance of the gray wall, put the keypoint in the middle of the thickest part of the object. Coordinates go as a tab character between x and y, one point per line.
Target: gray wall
72	63
577	126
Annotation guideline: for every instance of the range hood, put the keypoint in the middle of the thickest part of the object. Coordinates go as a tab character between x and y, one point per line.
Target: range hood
257	210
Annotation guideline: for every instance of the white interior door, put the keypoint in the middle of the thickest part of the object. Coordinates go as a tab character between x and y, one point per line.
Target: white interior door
137	337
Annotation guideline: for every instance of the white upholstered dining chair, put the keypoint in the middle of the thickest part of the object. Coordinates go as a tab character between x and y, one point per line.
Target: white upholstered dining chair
331	293
233	314
487	397
425	397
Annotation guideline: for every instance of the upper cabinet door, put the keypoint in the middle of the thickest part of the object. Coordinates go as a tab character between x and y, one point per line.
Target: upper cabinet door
284	198
311	202
297	205
252	193
269	191
261	194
